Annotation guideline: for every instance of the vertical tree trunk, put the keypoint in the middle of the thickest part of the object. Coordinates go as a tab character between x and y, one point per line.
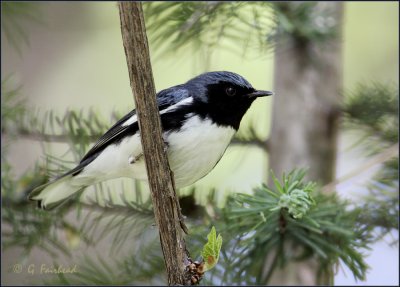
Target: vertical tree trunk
304	122
166	206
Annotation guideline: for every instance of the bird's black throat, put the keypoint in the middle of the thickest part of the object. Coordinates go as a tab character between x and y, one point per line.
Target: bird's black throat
224	109
222	114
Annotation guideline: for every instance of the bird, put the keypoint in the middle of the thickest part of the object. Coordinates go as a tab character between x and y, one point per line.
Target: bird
198	118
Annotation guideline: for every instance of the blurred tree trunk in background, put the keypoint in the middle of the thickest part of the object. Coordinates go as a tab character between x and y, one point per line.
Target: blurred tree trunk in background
305	115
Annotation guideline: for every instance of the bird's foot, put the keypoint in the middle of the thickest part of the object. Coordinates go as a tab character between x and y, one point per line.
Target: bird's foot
132	159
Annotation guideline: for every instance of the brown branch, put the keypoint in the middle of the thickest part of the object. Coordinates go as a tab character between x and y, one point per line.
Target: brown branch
126	209
39	136
263	144
165	202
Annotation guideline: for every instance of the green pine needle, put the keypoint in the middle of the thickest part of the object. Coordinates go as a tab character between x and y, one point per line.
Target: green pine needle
321	225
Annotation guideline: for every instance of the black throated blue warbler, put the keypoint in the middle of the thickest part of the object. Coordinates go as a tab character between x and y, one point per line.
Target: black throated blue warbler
199	119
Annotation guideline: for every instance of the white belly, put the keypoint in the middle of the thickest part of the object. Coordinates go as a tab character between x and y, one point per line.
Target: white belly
196	149
192	152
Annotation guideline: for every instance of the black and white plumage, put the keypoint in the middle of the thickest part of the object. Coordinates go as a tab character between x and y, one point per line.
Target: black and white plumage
199	119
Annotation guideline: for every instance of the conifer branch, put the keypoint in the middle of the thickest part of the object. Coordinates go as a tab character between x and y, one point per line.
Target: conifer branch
377	159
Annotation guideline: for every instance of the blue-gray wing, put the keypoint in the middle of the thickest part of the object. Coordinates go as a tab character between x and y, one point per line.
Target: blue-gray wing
171	96
118	131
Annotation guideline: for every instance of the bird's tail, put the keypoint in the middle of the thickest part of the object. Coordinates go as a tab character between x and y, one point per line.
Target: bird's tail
55	193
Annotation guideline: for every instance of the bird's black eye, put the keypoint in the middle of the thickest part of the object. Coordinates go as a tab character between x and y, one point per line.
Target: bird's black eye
230	91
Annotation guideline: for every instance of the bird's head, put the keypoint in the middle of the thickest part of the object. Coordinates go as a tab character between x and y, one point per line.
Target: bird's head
226	96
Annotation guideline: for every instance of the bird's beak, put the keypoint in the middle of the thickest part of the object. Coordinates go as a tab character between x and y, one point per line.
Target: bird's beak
258	93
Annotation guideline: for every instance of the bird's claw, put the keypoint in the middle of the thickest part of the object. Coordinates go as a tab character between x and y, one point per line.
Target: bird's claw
132	159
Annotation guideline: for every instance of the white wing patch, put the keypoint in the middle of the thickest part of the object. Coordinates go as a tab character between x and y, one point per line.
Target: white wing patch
130	121
186	101
133	119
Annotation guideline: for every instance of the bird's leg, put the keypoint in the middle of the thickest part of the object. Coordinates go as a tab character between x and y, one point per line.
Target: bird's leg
165	145
132	159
